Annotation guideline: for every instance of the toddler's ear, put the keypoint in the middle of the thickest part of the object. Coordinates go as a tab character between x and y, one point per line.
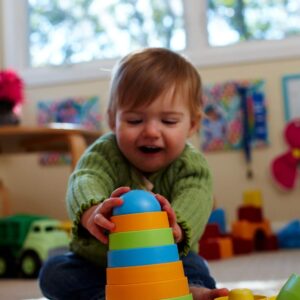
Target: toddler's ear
195	125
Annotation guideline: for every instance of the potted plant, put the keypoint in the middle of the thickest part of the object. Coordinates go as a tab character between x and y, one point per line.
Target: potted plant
11	97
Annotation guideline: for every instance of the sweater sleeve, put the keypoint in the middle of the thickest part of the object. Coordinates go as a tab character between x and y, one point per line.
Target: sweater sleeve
191	196
93	180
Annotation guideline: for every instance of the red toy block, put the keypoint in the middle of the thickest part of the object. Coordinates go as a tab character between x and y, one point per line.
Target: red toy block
242	246
216	248
211	231
271	243
250	213
210	249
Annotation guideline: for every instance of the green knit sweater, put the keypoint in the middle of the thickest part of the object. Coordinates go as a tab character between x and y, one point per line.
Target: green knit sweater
186	183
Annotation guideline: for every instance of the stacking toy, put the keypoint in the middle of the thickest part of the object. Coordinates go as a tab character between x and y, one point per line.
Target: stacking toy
143	260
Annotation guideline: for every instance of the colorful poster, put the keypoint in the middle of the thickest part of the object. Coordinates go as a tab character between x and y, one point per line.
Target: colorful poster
234	110
83	111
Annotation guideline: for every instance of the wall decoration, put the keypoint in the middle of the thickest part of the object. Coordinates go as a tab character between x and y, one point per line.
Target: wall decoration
235	117
291	95
222	127
285	166
83	111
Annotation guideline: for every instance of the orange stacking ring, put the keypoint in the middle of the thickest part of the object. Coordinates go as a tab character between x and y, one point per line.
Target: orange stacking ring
140	221
153	290
141	238
145	273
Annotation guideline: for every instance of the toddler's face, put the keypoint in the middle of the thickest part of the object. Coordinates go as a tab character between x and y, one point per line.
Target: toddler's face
152	136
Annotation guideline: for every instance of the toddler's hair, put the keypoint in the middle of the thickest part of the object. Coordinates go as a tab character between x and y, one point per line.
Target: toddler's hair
142	76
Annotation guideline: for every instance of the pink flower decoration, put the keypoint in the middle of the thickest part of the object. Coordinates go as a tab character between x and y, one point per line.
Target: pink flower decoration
11	87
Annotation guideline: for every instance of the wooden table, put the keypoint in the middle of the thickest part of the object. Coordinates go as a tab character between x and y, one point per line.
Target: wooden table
58	137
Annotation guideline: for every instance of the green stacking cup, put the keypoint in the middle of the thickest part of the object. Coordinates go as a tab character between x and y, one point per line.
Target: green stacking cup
141	239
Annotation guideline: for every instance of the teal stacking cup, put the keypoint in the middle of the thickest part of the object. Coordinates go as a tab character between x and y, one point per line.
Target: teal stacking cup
291	289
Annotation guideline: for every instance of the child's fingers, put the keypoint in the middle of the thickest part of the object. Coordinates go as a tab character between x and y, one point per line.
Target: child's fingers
162	200
171	215
120	191
103	222
109	204
99	234
166	206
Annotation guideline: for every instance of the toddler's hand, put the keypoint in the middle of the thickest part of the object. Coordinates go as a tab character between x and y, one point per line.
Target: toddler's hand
166	206
96	219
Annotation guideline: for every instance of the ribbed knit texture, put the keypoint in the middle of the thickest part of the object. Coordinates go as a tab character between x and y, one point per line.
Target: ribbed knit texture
186	183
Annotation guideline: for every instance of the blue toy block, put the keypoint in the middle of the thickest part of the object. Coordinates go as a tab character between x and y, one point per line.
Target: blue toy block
289	236
218	216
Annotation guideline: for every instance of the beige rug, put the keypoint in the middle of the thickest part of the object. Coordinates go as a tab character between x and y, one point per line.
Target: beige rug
263	273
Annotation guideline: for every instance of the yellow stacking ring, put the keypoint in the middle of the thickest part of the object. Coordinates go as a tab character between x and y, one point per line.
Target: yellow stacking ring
157	290
140	221
140	239
145	273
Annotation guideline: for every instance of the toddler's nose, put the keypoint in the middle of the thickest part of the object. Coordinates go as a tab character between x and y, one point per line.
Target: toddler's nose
151	129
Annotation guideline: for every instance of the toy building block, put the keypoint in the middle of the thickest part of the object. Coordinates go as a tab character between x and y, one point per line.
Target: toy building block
242	246
291	289
214	245
289	235
252	231
247	230
217	216
252	198
250	213
143	258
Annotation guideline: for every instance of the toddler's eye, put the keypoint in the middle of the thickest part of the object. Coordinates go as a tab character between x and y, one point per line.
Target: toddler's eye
134	121
170	121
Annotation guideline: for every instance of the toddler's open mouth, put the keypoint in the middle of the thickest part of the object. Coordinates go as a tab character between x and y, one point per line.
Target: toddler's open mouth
150	149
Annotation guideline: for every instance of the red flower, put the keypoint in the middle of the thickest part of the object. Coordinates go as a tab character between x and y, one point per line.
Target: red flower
11	87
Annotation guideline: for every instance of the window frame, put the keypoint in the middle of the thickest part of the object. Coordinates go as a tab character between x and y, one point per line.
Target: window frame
198	50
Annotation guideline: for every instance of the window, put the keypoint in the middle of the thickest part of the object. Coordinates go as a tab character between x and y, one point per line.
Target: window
243	20
68	32
51	41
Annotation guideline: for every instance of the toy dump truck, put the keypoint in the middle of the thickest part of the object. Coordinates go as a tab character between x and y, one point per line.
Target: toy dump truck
26	241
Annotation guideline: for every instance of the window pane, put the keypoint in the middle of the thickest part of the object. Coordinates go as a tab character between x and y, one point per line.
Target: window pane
69	31
232	21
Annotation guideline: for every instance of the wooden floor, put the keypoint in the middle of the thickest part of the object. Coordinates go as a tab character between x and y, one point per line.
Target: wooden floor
263	273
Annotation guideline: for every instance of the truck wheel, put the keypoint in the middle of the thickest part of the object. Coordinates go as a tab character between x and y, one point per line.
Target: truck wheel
7	264
30	264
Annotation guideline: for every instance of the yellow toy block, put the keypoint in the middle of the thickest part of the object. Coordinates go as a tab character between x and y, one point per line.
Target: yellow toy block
252	198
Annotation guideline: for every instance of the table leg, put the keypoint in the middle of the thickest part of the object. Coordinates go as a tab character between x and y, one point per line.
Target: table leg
4	198
77	146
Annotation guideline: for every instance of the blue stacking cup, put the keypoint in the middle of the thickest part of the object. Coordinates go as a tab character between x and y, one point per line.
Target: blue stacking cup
142	256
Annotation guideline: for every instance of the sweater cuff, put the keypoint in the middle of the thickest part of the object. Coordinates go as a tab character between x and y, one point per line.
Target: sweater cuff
78	229
185	245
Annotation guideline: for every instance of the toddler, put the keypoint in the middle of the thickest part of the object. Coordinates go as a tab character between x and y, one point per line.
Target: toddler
155	105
